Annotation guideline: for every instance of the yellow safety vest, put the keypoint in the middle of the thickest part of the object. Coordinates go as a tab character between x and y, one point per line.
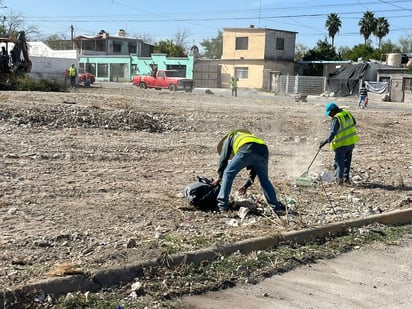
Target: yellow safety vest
233	83
72	71
346	134
241	138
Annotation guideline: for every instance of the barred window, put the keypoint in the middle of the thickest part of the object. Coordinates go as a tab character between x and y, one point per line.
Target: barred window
242	72
408	84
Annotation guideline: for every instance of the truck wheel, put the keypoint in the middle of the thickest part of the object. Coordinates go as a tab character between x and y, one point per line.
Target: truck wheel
142	86
172	87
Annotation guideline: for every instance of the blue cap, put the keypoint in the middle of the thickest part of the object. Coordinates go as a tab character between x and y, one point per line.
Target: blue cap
330	107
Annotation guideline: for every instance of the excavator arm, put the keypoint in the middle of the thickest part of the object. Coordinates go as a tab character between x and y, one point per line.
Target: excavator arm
16	61
21	62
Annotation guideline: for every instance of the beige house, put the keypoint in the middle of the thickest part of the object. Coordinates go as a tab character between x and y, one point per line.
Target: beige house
250	52
254	55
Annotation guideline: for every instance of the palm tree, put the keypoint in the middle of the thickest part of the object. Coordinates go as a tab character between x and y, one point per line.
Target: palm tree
333	25
382	29
367	24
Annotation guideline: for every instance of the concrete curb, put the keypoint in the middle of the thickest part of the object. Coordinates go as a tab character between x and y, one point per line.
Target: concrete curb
127	273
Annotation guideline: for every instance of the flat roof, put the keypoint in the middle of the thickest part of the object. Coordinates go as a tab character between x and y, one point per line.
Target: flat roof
257	29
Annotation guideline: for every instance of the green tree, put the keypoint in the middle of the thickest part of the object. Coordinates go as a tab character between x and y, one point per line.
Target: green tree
382	29
213	47
388	47
364	51
367	25
333	24
322	51
169	48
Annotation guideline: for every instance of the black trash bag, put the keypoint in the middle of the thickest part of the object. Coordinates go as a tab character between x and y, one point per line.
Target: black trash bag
202	194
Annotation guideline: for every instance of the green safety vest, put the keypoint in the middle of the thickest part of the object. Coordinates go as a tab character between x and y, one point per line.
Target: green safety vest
233	83
72	71
241	138
346	134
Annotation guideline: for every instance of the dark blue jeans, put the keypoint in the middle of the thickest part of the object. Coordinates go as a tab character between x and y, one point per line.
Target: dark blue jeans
240	161
343	160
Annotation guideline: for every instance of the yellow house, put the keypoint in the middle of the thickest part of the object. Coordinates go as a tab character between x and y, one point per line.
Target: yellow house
250	52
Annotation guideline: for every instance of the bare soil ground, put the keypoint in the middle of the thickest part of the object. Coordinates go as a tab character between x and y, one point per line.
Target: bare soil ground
95	178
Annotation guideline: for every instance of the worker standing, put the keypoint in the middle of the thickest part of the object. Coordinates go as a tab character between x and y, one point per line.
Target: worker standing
342	138
233	85
72	76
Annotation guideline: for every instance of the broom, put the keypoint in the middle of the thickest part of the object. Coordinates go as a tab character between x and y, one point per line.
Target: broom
304	179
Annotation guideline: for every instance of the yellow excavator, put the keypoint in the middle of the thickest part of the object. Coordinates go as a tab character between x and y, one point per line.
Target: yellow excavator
14	55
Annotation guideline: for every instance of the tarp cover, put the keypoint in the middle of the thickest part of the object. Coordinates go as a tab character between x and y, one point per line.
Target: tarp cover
377	87
345	80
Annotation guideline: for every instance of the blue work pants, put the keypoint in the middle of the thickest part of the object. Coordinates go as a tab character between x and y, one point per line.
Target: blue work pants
240	161
343	160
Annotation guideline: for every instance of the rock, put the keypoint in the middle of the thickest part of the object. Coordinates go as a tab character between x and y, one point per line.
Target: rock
131	243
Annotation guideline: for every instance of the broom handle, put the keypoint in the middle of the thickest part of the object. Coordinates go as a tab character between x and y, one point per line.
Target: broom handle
313	160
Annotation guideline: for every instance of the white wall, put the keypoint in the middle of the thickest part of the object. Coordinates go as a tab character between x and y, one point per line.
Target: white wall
39	49
50	63
50	67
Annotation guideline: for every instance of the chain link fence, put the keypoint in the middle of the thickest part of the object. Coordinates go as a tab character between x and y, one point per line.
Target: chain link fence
298	86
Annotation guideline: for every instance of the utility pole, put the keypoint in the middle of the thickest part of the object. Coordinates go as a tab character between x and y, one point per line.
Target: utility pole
72	36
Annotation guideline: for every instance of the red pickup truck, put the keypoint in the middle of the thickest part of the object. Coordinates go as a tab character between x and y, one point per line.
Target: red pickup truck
164	79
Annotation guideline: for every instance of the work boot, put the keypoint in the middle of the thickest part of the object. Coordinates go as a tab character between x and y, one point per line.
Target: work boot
347	181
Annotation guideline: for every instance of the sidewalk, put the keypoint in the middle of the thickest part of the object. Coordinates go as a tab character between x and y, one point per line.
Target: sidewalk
377	276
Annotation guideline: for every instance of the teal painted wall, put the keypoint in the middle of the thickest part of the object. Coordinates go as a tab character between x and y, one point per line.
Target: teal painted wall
123	68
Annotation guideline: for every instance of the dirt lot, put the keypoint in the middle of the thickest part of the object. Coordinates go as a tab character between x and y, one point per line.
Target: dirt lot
95	178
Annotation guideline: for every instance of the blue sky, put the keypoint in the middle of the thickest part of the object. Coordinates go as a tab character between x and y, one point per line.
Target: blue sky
160	20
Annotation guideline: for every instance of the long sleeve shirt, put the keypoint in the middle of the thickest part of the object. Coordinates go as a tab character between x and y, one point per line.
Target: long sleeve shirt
226	153
334	128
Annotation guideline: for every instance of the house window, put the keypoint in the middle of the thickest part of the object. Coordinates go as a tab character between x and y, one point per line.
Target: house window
117	70
384	79
103	70
132	49
180	70
242	72
280	44
117	47
90	68
242	43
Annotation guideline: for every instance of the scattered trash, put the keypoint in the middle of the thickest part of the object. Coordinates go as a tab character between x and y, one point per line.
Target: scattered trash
327	177
356	179
304	179
232	222
243	211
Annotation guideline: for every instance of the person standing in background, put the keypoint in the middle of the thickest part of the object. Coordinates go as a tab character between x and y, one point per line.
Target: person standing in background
363	97
233	85
72	76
